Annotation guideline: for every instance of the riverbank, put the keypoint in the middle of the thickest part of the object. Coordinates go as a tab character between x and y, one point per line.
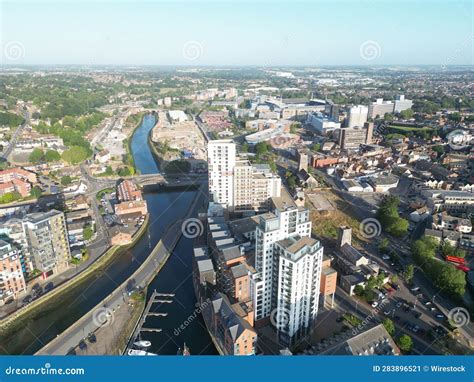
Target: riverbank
53	300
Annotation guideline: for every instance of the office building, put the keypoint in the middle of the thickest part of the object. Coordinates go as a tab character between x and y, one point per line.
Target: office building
47	243
352	137
402	104
12	280
322	124
357	116
380	107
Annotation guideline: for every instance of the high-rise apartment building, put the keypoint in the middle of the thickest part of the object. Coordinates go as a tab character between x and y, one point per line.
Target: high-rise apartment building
237	184
221	164
299	261
288	264
12	280
47	243
357	115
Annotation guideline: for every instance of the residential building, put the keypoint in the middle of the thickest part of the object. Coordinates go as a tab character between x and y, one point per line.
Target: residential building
299	262
47	242
221	163
233	334
236	184
12	280
283	245
17	173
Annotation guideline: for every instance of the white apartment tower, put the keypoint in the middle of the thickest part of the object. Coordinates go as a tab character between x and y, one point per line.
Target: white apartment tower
221	163
237	184
299	262
288	263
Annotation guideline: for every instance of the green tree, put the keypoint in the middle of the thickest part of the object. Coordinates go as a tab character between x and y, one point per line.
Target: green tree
109	171
36	192
88	232
66	180
244	148
75	155
409	273
316	147
405	343
52	156
294	127
359	290
36	156
261	148
291	181
389	326
406	114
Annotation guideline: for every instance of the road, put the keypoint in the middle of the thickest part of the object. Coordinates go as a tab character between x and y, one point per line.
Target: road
14	138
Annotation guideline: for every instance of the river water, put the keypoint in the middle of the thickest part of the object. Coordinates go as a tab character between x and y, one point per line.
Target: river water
175	277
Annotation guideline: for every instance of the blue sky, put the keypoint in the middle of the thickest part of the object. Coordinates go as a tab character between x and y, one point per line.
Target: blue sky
371	32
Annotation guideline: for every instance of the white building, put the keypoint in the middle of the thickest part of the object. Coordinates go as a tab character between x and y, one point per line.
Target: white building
322	124
235	183
357	115
284	248
380	108
299	262
402	104
221	163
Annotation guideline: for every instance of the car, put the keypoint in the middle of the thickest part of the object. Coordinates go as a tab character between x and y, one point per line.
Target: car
415	289
440	316
92	338
415	329
399	304
48	287
375	304
433	309
417	314
427	303
82	345
386	257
